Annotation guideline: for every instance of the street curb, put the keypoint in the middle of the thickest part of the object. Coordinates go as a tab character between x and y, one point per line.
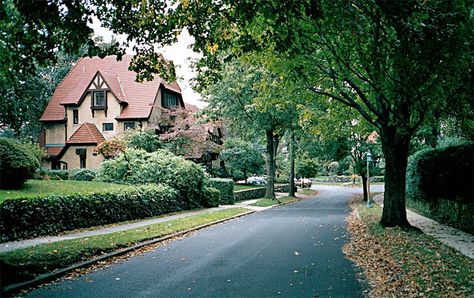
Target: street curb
43	278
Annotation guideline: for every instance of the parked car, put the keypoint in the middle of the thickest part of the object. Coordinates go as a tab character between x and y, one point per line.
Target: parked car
257	180
303	182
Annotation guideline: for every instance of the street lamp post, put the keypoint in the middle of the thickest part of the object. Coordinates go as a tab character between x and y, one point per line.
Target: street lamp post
369	160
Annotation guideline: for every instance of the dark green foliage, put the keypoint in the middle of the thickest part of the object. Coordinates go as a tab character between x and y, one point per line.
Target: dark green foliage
441	181
147	140
17	163
226	188
82	175
47	174
26	218
140	167
213	196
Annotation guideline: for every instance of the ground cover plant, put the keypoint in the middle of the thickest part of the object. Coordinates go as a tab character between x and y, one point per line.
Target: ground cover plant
41	188
405	263
24	264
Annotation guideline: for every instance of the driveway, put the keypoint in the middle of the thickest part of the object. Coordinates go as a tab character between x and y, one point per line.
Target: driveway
288	251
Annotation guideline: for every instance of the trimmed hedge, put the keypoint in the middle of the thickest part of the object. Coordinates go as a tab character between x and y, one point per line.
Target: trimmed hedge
249	194
26	218
439	184
226	188
46	174
213	196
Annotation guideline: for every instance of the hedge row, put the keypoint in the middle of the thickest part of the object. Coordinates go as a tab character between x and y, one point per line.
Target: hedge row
439	184
226	188
213	196
75	174
26	218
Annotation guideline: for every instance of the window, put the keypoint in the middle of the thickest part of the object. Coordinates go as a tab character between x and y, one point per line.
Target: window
107	126
82	157
98	99
170	100
129	125
75	117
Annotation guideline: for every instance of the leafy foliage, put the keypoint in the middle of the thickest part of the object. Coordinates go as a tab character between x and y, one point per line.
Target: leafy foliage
225	187
135	166
213	196
82	175
52	214
439	182
242	159
147	140
17	163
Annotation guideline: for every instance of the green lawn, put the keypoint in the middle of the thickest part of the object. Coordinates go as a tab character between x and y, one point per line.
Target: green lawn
268	202
38	188
238	187
28	262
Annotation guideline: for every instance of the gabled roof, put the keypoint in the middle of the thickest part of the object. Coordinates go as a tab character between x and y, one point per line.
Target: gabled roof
87	133
53	151
121	81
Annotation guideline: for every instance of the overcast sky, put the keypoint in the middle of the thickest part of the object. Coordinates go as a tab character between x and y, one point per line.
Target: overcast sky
179	53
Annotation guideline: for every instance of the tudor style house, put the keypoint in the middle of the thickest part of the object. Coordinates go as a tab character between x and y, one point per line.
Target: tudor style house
98	100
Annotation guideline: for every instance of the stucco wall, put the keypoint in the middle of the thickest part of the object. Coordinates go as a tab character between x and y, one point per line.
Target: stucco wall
72	159
54	133
85	115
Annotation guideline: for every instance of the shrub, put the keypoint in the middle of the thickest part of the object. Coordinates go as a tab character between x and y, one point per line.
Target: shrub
17	164
25	218
147	140
136	166
437	176
226	188
53	174
213	196
82	175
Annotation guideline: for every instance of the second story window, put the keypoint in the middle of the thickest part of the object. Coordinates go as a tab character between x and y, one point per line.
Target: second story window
107	127
75	117
170	100
98	99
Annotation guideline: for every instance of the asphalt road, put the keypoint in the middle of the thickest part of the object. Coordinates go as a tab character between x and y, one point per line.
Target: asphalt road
288	251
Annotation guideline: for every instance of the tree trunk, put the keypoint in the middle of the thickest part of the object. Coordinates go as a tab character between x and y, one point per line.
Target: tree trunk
363	177
395	148
292	164
270	192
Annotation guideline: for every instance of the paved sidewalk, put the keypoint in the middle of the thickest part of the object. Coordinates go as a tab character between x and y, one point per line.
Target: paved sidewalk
13	245
459	240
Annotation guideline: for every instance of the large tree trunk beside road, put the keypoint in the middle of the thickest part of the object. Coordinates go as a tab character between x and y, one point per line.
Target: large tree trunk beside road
270	152
395	148
292	164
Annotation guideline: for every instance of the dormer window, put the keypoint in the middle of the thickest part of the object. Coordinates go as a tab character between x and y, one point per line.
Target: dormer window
99	100
169	99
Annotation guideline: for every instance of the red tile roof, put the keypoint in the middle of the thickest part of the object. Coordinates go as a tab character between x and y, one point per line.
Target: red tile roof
121	81
87	133
54	150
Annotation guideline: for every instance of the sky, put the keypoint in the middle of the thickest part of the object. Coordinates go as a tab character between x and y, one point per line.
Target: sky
179	53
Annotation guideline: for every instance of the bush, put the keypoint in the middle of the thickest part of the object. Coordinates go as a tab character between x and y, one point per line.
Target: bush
17	164
135	166
226	188
47	174
82	175
440	182
147	140
213	196
26	218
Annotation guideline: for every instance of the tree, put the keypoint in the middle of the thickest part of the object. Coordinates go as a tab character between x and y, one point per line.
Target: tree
243	158
237	97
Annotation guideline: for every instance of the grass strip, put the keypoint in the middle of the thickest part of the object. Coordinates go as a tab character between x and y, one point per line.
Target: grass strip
406	263
42	188
26	263
307	192
268	202
238	187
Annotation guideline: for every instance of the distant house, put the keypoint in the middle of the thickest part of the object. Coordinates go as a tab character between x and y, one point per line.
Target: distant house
98	100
